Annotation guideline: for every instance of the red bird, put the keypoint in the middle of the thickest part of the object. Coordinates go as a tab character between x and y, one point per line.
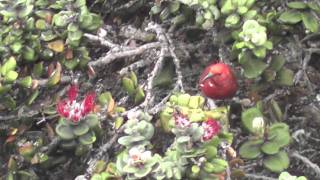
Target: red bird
218	81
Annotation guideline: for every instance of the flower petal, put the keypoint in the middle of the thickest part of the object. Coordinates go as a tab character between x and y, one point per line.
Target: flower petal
73	92
211	128
88	103
63	109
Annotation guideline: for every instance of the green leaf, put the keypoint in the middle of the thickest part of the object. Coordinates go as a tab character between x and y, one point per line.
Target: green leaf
285	77
139	97
252	67
291	17
105	98
33	96
260	52
211	152
61	19
8	102
314	6
277	62
55	76
26	11
26	82
232	20
270	148
87	138
220	165
64	132
269	75
71	63
128	85
48	35
92	120
276	110
5	88
310	22
248	116
9	65
183	99
277	163
281	134
80	129
37	69
227	7
165	76
174	6
297	5
134	78
41	24
11	76
29	54
16	47
251	149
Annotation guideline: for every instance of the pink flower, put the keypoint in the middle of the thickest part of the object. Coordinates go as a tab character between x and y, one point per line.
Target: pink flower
71	109
211	128
181	120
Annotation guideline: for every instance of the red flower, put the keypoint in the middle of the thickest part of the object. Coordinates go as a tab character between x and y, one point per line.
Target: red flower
181	120
73	110
218	81
211	128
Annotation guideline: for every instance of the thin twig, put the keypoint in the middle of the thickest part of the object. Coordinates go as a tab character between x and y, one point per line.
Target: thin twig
103	41
176	62
305	160
110	57
136	65
148	98
253	176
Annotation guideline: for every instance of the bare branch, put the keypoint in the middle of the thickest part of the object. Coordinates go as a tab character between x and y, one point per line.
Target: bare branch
260	177
103	41
111	56
305	160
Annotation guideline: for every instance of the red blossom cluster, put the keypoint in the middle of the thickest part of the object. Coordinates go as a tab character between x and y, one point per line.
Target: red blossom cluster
71	109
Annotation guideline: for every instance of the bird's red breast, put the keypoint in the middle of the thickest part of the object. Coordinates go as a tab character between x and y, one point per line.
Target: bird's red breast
218	81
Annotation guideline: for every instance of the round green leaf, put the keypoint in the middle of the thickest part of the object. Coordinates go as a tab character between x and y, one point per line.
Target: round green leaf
11	76
297	5
220	165
278	162
252	66
248	116
92	120
87	138
290	17
64	132
270	148
310	22
80	129
251	149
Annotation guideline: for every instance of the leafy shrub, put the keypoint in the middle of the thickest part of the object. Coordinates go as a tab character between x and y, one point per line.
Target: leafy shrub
267	140
305	12
34	34
192	154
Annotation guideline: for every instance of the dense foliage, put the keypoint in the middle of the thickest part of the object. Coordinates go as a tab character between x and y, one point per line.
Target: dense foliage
87	88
